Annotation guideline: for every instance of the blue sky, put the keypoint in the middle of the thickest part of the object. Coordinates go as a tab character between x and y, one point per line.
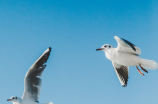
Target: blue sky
75	72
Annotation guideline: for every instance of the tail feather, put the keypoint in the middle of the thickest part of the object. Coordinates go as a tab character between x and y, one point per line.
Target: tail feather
149	64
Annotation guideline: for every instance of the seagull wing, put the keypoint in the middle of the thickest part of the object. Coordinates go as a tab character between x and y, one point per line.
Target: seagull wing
126	46
32	78
122	73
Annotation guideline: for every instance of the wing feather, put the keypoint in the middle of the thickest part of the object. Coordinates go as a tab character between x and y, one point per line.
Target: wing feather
122	73
33	77
126	46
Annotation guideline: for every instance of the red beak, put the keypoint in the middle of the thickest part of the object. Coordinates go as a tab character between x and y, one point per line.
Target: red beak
9	100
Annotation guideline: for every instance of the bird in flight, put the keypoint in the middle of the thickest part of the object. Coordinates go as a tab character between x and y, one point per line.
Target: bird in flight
124	55
32	82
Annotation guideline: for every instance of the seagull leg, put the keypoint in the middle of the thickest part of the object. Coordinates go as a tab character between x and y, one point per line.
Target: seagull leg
139	71
143	68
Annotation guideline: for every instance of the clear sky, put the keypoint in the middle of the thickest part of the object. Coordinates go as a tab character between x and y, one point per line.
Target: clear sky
75	72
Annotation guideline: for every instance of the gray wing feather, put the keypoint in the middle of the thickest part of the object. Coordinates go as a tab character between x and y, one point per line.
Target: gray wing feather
126	46
122	73
130	44
32	78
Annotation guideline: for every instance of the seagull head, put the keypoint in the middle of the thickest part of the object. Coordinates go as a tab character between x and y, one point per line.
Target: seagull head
105	47
14	99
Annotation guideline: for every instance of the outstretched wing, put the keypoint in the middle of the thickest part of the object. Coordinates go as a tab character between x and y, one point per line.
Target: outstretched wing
32	78
126	46
122	73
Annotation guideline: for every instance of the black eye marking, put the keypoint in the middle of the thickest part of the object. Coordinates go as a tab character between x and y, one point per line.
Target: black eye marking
15	97
105	46
109	46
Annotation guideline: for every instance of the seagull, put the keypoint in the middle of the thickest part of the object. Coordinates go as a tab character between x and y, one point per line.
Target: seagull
32	82
124	55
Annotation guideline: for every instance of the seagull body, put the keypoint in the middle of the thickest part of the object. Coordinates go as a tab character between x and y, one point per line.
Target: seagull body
32	82
124	55
121	58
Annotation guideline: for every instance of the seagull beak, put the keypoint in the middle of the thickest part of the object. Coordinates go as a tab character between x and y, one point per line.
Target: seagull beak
99	49
9	100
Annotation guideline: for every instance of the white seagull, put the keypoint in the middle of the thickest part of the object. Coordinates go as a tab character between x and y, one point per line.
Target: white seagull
33	82
124	55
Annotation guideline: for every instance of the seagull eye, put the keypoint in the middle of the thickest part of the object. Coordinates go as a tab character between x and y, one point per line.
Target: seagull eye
105	46
15	97
109	46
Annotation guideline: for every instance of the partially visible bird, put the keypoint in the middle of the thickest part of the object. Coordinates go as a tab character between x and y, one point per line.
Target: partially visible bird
124	55
33	82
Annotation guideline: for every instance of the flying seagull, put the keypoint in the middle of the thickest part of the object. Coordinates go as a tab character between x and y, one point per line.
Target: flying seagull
124	55
32	82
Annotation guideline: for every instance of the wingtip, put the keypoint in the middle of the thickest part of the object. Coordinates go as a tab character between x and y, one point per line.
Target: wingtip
124	85
50	48
116	37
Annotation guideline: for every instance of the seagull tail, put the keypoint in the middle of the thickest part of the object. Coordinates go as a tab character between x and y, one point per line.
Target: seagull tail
149	64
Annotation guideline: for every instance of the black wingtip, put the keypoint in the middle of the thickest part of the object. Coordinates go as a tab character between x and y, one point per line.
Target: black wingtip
124	85
50	48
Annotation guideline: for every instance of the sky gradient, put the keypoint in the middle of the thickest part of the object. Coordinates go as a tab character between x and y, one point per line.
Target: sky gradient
75	72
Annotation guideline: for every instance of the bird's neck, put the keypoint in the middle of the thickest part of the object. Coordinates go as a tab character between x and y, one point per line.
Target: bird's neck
109	53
